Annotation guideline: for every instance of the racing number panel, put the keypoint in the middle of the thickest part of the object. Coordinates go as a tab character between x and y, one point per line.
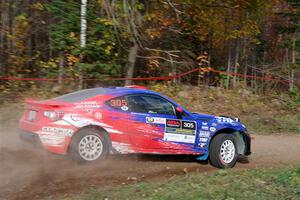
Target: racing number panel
180	131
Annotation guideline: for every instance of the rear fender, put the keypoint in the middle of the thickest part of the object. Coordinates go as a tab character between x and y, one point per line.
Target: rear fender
101	130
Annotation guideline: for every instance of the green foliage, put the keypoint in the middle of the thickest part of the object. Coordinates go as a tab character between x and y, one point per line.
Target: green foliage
65	13
100	52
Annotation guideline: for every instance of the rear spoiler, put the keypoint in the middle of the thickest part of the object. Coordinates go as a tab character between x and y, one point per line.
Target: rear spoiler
30	103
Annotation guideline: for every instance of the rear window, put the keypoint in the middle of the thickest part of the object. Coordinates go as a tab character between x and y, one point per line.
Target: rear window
82	95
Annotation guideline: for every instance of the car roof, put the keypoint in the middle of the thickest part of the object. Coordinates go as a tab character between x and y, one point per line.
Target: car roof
89	93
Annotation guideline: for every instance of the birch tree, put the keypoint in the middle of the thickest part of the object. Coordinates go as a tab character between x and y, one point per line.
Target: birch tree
83	28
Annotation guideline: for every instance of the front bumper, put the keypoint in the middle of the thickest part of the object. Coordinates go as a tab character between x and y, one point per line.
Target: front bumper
247	139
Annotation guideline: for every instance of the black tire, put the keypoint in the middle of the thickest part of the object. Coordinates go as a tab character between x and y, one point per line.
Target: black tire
76	153
215	151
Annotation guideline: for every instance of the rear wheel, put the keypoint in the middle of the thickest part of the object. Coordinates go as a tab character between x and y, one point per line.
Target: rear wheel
223	151
89	145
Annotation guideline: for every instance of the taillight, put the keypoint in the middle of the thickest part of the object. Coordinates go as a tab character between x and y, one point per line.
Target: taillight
53	115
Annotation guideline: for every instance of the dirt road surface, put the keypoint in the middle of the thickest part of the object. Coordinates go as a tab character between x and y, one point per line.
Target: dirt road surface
29	172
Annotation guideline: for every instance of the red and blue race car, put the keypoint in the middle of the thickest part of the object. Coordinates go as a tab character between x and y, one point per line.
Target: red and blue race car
90	124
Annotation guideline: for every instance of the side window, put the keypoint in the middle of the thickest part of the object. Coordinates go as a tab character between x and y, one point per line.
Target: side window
150	104
119	103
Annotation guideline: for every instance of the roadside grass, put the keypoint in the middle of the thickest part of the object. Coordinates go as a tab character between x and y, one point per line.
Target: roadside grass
258	184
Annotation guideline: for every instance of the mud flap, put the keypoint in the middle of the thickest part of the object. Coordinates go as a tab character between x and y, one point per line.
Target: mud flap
203	157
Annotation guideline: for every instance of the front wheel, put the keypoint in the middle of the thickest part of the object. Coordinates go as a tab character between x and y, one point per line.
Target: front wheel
89	145
223	151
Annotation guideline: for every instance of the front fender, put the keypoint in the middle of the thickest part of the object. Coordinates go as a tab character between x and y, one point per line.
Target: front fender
207	130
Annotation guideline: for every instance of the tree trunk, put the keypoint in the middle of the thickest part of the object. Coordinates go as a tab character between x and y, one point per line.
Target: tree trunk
131	62
61	68
174	70
236	62
228	66
4	16
30	49
11	16
292	73
245	76
245	55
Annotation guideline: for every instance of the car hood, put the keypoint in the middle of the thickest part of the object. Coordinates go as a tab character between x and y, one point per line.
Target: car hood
219	121
203	117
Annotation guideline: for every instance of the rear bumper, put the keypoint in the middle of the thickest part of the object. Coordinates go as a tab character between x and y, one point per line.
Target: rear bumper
29	137
53	136
45	141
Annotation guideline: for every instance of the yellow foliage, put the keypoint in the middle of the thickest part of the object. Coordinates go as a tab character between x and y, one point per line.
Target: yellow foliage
105	21
71	59
153	33
72	35
38	6
108	49
153	64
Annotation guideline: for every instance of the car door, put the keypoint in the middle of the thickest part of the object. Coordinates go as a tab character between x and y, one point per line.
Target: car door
157	125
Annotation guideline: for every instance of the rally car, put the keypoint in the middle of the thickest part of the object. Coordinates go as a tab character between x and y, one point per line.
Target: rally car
90	124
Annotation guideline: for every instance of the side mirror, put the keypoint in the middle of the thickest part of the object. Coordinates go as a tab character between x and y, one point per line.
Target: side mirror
178	109
179	112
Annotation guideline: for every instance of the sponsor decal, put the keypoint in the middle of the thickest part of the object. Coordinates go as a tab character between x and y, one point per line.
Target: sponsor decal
212	129
204	123
189	125
87	104
224	120
180	131
202	145
173	123
204	133
118	102
203	139
149	119
125	108
214	124
121	147
60	131
75	117
89	112
98	115
204	128
234	124
52	139
174	137
227	120
156	120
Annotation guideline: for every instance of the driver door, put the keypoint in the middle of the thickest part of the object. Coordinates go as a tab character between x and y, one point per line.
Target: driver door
156	125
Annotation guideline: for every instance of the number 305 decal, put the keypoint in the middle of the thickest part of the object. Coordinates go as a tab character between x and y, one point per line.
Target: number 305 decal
188	125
